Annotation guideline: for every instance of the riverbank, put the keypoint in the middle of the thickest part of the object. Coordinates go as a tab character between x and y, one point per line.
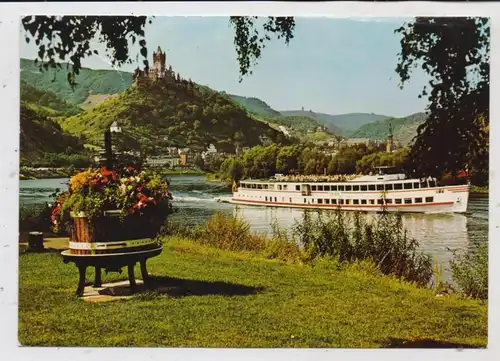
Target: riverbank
216	298
182	172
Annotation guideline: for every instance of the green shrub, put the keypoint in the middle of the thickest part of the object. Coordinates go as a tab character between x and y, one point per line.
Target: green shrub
470	271
34	218
350	238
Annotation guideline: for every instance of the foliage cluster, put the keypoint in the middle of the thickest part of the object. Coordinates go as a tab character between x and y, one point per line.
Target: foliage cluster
349	237
470	270
264	162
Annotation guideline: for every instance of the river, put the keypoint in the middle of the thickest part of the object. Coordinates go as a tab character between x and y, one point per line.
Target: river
195	201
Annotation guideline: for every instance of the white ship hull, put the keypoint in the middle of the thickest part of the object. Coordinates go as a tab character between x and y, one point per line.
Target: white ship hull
444	199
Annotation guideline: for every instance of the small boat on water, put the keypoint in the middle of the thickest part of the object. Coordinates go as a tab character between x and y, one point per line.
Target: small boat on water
387	189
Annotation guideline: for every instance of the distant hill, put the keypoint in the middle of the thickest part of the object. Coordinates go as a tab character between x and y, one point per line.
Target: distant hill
41	137
299	126
343	124
404	129
254	106
89	81
174	112
46	102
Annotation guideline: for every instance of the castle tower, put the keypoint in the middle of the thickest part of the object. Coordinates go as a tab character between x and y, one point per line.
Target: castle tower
159	60
390	140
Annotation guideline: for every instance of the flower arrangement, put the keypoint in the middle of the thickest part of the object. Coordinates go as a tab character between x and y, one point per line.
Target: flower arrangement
128	193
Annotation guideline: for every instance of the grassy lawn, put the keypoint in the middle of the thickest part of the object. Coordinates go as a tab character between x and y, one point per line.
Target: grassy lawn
216	298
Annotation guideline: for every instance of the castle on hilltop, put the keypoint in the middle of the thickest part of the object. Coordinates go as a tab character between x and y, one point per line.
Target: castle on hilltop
157	71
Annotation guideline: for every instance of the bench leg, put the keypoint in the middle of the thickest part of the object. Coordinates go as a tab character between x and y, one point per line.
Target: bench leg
81	282
144	273
131	276
98	282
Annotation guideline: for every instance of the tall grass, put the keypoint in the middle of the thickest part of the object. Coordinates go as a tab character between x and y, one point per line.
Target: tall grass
470	270
349	237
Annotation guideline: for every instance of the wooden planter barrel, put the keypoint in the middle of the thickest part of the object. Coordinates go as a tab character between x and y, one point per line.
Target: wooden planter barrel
109	234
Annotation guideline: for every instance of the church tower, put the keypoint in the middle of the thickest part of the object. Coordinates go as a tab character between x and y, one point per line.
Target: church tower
159	60
390	140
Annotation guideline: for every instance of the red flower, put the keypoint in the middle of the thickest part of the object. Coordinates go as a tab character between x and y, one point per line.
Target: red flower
108	173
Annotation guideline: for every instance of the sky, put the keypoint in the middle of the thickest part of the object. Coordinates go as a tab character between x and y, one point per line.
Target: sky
332	66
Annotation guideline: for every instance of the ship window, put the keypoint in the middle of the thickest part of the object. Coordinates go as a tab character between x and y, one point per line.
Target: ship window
363	201
398	186
275	199
416	185
313	188
355	201
397	201
408	186
348	188
266	186
297	188
371	187
259	186
327	201
388	187
355	188
334	188
341	201
327	188
372	201
279	187
320	188
380	187
290	200
429	199
266	199
388	201
423	184
380	201
305	200
347	201
407	200
418	200
364	188
334	201
320	201
285	187
341	188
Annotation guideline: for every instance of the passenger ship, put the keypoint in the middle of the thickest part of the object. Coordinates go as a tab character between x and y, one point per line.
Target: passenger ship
361	193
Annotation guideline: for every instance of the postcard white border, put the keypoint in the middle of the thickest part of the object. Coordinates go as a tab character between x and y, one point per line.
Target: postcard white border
10	14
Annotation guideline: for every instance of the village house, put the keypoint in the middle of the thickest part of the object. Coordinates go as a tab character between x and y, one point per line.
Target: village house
211	150
115	128
164	161
186	157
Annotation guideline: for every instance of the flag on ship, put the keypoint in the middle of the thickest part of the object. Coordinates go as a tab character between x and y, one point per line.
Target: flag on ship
462	174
